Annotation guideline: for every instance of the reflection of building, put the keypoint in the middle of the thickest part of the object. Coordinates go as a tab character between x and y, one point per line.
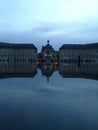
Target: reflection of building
48	69
18	58
88	70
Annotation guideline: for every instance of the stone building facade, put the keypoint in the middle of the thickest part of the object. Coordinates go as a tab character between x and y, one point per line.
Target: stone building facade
16	58
48	54
48	60
78	58
70	59
6	57
87	53
25	57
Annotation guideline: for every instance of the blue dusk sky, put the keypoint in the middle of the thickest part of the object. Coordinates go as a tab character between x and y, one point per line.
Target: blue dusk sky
60	21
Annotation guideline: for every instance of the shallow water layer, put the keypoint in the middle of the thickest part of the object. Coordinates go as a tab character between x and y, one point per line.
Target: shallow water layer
60	104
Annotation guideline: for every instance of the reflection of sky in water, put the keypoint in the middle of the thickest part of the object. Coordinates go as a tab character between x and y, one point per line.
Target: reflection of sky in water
61	103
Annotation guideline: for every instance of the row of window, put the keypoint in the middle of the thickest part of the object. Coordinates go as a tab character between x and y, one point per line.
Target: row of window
17	60
83	66
71	61
70	55
17	66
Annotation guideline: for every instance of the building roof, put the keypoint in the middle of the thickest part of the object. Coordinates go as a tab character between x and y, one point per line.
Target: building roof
48	46
5	45
78	46
28	46
12	45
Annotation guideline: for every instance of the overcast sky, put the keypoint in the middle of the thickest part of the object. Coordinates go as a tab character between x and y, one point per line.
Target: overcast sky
60	21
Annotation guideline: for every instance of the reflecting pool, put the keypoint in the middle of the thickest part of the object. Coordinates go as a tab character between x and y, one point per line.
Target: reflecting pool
59	104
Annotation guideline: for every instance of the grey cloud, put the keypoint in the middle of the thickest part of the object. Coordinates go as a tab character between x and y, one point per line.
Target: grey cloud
44	28
66	33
